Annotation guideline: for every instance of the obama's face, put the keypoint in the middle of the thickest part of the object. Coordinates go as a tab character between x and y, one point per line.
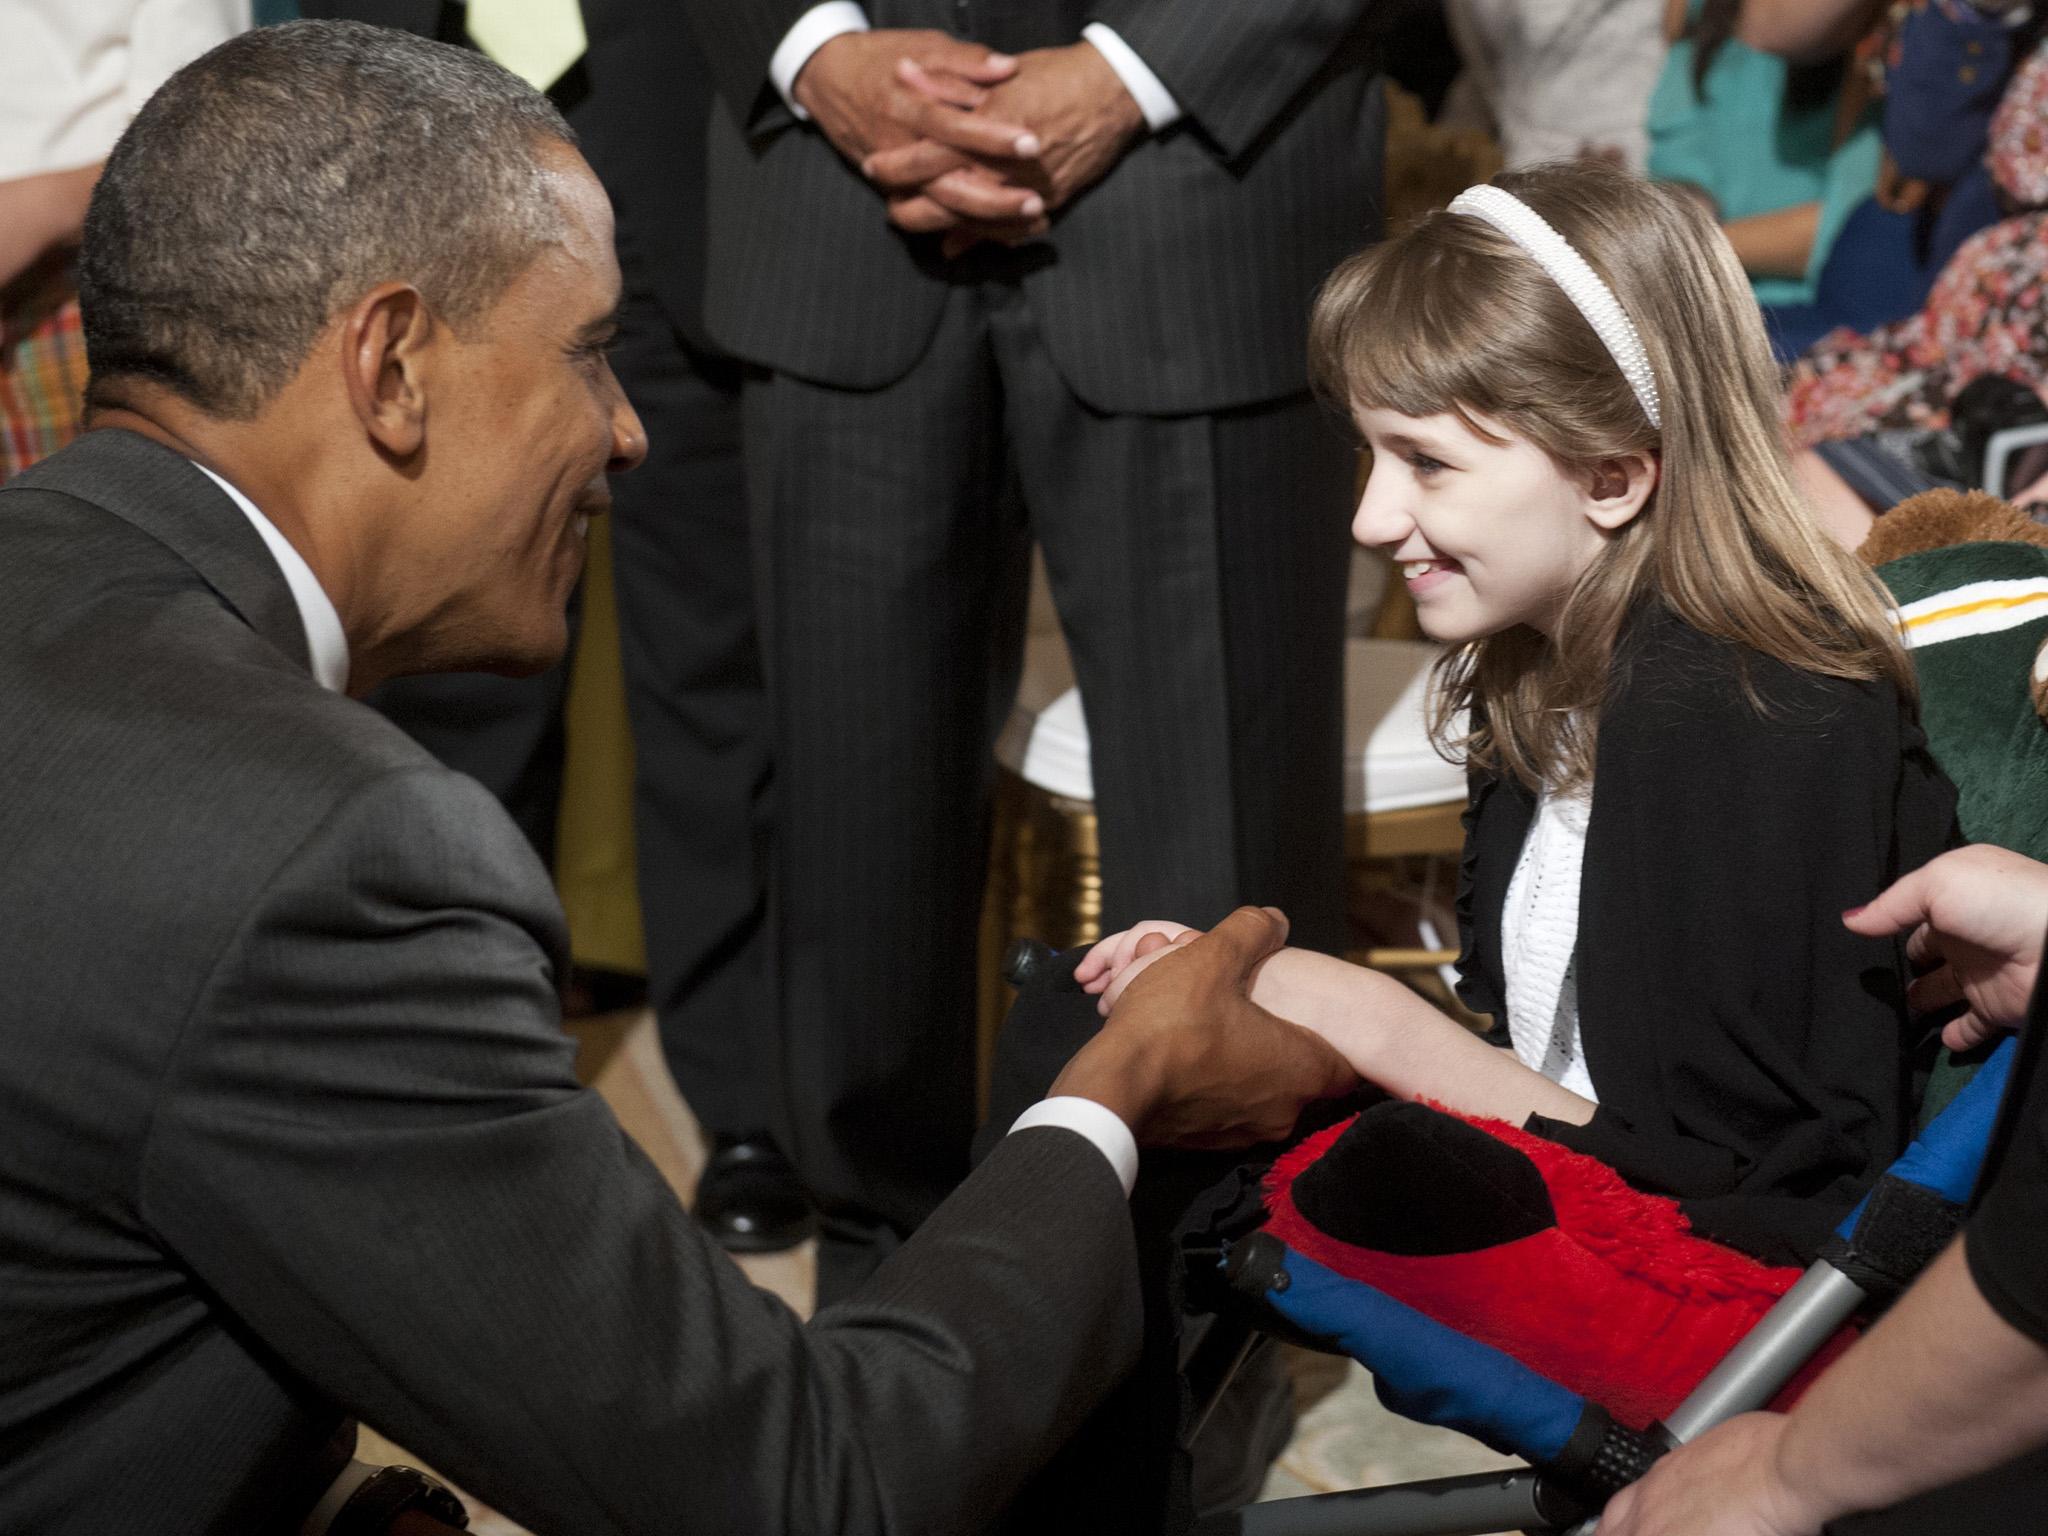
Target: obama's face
531	422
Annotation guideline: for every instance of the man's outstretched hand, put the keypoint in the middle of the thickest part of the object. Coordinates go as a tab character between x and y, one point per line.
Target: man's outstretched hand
1079	117
1188	1060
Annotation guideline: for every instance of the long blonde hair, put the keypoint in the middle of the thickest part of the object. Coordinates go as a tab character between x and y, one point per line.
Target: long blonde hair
1452	317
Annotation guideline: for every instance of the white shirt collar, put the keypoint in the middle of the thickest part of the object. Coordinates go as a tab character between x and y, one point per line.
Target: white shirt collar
325	642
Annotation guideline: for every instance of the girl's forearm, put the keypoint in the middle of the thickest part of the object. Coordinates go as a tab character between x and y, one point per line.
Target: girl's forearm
1393	1038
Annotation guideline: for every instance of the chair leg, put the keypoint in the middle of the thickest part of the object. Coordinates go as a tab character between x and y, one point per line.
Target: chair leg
1216	1359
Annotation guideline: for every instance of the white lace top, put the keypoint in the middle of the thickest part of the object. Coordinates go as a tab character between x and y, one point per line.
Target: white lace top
1539	935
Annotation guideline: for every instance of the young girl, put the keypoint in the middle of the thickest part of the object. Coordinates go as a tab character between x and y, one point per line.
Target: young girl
1688	722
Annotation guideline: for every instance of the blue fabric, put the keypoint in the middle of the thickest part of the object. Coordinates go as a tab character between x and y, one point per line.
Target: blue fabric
1427	1372
1942	91
1874	275
1972	204
1947	1155
1883	265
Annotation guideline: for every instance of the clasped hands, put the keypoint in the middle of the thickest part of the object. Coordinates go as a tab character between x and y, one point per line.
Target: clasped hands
1187	1059
964	142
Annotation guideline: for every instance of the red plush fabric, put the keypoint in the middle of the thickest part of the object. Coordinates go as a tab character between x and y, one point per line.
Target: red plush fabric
1618	1301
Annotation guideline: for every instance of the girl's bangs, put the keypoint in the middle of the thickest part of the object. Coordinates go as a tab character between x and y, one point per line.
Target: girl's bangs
1388	340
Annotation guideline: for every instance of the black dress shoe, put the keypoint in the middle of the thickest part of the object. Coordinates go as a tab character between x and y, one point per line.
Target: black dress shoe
750	1199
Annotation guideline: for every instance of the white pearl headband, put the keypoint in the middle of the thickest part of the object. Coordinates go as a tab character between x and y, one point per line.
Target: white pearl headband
1581	284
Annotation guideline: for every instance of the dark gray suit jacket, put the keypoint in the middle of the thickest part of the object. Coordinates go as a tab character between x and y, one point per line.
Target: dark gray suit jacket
289	1131
1180	283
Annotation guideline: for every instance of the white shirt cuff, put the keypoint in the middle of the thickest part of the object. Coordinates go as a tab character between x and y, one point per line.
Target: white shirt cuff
813	30
1101	1125
1146	88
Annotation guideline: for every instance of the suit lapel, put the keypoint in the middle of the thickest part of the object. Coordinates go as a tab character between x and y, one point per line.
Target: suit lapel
170	498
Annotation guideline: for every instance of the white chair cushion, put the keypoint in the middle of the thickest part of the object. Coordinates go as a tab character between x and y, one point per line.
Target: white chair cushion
1389	763
1045	740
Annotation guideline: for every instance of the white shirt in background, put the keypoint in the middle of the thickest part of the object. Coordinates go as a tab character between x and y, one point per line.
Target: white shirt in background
73	72
1552	77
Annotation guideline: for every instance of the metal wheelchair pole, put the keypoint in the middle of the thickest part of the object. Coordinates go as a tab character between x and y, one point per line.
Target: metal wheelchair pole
1475	1505
1770	1354
1217	1358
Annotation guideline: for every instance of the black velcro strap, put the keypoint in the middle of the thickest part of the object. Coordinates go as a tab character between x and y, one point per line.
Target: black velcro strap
1899	1233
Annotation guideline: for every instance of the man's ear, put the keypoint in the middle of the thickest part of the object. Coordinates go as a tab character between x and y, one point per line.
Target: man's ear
385	337
1618	488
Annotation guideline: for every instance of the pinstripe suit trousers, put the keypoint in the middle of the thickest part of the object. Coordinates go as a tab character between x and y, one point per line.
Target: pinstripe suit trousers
1198	563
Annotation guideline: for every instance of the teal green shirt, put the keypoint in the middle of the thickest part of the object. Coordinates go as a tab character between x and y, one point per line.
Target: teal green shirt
1754	153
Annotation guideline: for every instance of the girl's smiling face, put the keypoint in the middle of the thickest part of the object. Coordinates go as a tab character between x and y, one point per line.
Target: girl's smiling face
1487	534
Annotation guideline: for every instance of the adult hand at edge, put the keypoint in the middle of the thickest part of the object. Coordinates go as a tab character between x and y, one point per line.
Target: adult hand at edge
1977	915
1725	1483
1188	1060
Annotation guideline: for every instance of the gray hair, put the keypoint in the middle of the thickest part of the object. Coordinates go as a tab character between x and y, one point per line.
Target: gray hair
279	177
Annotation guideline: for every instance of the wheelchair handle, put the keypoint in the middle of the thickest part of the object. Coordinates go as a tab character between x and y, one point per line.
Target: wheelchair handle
1032	963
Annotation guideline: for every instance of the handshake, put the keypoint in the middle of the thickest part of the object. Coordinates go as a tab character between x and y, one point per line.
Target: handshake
964	142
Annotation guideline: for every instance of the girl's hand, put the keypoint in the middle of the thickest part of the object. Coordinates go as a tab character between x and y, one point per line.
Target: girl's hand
1116	961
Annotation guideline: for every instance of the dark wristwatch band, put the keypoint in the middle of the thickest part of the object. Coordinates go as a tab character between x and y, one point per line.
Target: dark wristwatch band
390	1492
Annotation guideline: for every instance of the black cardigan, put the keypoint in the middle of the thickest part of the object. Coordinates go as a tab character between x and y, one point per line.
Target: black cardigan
1753	1057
